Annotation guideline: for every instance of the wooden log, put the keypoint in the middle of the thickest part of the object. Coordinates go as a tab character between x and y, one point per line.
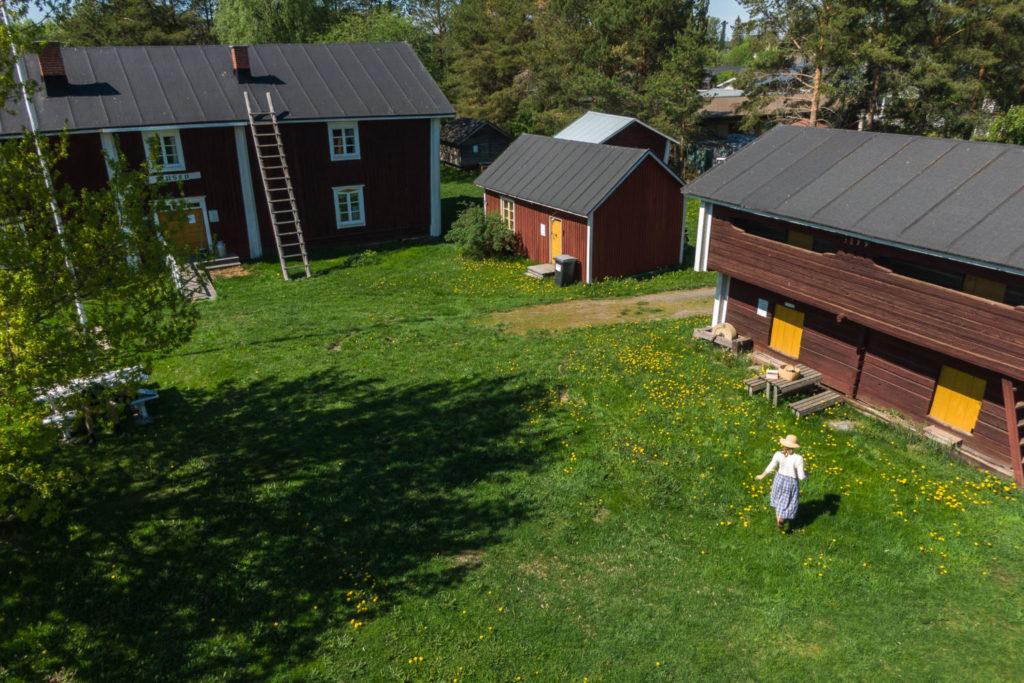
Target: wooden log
1010	403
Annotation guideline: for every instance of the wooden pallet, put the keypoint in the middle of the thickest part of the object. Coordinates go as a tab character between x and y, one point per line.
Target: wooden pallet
737	345
816	403
755	385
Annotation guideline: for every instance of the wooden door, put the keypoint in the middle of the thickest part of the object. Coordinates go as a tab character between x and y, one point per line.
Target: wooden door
957	400
185	227
556	238
787	330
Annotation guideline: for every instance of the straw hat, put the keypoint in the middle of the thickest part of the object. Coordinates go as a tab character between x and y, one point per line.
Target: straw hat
790	442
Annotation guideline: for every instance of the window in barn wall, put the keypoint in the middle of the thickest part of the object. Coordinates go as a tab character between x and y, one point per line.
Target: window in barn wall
344	140
508	213
167	147
984	287
348	207
943	278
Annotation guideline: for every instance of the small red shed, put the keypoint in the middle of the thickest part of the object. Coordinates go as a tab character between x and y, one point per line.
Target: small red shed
621	131
619	210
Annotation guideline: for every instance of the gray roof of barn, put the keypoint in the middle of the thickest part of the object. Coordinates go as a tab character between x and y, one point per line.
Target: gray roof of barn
129	87
952	198
560	174
457	131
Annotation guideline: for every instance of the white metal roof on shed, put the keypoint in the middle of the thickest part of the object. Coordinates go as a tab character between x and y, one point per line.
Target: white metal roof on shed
598	127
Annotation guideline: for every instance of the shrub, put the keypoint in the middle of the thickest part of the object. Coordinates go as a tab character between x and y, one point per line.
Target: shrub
479	235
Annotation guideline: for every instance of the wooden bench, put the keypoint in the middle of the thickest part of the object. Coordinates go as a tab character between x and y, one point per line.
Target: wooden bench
809	377
755	385
737	345
816	403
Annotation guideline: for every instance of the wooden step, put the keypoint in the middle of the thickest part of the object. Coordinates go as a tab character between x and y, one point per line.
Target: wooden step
755	385
942	437
816	403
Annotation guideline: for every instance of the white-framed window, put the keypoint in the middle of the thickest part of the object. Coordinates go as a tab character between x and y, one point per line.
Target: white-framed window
508	213
343	137
349	211
169	155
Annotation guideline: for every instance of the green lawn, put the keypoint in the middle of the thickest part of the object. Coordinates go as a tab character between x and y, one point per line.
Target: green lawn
352	478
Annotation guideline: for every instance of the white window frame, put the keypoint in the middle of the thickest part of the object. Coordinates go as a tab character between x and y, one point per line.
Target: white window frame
160	134
346	189
510	219
343	125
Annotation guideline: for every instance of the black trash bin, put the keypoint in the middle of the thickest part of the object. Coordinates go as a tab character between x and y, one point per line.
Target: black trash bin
567	270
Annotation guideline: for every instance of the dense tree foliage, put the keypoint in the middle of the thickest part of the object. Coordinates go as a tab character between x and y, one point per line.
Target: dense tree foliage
129	22
86	287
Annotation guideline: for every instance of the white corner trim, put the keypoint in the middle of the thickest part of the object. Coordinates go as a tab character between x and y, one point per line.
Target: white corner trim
109	152
435	177
718	313
697	266
252	221
590	248
708	215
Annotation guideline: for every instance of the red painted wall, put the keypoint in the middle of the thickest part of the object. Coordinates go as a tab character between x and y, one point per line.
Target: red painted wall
640	137
538	249
83	168
394	169
639	227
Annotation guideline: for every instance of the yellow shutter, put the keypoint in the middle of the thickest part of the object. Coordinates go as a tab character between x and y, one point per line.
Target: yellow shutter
787	331
957	400
801	238
983	287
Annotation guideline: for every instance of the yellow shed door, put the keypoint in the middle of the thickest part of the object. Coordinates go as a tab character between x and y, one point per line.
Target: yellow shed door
957	400
185	227
787	331
556	238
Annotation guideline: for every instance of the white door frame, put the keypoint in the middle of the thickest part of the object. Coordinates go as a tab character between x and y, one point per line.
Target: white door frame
192	203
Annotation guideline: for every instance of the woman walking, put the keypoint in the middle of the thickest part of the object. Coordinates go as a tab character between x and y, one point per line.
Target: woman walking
786	485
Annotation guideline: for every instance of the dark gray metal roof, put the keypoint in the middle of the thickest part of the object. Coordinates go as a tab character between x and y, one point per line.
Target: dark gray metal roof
953	198
127	87
561	174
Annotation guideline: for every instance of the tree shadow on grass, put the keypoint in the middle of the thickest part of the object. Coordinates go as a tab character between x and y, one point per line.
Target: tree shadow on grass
810	511
246	526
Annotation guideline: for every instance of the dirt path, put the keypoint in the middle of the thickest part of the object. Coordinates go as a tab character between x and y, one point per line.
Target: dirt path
567	314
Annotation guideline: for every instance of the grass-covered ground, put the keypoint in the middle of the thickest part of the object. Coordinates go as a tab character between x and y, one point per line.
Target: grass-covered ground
354	477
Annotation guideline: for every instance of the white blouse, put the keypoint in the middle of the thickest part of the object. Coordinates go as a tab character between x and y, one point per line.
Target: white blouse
789	465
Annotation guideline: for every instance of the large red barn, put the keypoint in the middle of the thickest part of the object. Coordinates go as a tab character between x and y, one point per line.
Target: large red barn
617	209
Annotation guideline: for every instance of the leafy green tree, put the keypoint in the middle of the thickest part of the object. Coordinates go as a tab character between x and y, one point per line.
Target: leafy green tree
480	236
385	25
270	21
1008	127
109	260
127	22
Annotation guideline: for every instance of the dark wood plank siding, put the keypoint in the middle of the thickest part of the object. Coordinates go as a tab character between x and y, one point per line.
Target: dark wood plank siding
535	247
640	137
83	168
394	169
980	332
639	227
828	345
212	153
902	377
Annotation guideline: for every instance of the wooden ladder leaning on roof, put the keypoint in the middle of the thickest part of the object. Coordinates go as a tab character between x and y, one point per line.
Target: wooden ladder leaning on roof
277	185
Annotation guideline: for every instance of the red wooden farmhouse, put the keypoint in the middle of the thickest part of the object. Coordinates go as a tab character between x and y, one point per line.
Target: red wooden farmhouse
616	209
359	126
621	131
892	264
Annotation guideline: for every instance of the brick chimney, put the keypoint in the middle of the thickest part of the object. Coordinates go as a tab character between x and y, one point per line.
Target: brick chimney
240	61
51	63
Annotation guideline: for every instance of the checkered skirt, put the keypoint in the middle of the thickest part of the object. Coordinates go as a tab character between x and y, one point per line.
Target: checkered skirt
785	496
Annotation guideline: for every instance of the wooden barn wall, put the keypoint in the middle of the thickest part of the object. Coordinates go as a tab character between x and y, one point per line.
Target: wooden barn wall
848	282
895	374
490	144
901	376
640	137
394	168
639	227
536	248
210	152
828	345
83	168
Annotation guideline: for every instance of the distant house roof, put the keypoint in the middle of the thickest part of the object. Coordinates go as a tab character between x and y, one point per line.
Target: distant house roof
457	131
951	198
134	87
725	103
597	127
561	174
